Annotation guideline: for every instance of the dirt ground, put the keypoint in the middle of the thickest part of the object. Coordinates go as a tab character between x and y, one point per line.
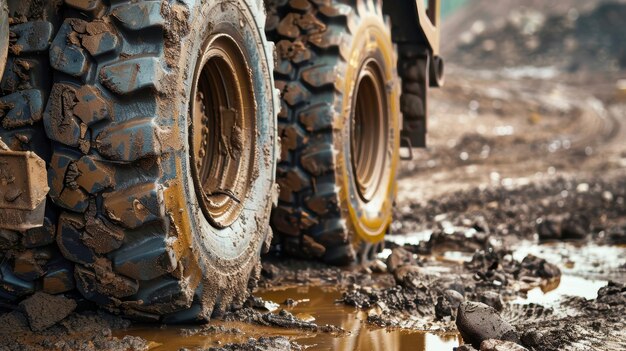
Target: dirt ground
515	216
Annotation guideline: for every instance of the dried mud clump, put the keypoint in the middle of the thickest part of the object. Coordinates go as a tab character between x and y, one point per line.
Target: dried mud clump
44	310
261	344
282	319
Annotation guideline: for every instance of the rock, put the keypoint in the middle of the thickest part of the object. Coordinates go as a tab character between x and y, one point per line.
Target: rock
442	308
454	298
448	303
613	294
478	322
399	257
575	227
493	299
534	266
409	276
257	302
500	345
44	310
549	229
571	227
617	236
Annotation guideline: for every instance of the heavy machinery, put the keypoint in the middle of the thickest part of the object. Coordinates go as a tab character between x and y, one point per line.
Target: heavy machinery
161	127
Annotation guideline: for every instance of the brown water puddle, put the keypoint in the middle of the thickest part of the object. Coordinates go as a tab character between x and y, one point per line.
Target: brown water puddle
361	336
585	269
318	303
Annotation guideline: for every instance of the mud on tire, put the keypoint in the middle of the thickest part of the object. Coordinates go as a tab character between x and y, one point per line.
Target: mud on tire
29	261
327	209
119	117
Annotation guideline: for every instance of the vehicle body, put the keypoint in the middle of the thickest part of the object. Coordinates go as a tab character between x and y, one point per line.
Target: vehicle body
160	123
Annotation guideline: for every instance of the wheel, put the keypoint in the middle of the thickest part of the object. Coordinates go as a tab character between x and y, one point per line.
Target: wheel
29	260
339	128
163	121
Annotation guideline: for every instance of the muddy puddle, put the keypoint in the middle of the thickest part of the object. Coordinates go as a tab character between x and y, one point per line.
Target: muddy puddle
585	269
319	304
314	304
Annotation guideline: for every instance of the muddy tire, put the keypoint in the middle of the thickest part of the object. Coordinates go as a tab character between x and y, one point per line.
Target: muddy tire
339	128
30	260
152	235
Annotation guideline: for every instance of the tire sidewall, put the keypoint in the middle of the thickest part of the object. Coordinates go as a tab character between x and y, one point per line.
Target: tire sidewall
236	247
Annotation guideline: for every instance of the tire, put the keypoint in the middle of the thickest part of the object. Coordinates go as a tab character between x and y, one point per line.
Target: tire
124	161
30	260
327	210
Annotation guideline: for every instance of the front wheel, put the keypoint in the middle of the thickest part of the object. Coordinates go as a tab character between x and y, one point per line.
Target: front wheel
163	122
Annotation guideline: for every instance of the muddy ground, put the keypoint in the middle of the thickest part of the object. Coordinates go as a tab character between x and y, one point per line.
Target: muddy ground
518	204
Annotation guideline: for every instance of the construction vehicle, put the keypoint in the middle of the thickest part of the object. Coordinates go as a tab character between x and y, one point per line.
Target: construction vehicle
168	143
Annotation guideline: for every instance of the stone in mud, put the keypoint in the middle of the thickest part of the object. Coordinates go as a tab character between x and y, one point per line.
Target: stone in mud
454	297
466	347
478	322
613	294
575	227
549	229
493	299
569	227
409	276
616	235
399	257
448	303
259	303
538	267
442	308
44	310
500	345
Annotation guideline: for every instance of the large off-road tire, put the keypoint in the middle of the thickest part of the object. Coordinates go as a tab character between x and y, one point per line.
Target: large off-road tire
29	261
163	122
339	127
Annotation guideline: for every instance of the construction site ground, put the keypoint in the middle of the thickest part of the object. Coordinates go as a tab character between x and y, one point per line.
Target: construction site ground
518	202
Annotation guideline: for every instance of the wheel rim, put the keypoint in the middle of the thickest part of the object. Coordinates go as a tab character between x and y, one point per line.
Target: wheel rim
368	135
222	130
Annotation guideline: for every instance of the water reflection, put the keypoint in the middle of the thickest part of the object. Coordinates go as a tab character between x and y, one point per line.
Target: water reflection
321	306
361	335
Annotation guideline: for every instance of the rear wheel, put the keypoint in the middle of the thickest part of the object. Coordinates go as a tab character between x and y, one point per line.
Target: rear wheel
339	128
162	116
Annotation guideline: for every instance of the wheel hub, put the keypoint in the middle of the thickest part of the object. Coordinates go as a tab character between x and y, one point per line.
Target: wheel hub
222	130
368	131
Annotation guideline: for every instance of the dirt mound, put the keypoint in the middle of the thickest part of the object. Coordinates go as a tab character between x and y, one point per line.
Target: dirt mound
520	36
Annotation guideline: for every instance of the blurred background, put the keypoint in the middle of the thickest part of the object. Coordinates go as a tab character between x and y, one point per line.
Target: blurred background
534	90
